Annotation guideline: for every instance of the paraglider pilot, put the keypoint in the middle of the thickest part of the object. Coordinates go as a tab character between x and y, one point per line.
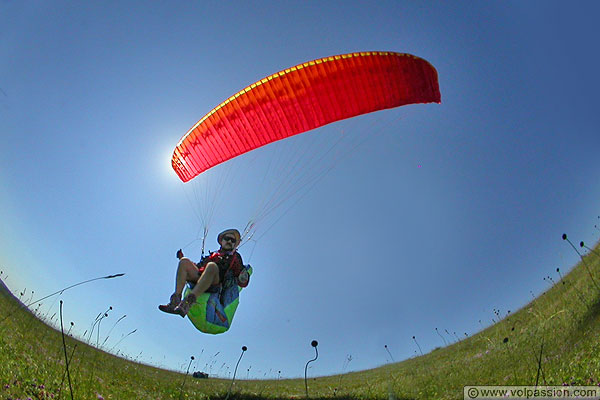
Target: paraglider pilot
209	274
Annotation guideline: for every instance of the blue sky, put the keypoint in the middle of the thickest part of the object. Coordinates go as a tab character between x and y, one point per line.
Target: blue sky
438	216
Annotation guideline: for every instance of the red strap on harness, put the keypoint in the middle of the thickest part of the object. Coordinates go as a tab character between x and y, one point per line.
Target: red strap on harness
216	254
233	258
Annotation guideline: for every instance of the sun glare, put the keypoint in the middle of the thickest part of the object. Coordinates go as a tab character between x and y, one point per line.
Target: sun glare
166	172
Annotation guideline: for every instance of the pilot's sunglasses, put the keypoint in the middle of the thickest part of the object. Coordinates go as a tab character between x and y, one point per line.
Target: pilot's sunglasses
229	239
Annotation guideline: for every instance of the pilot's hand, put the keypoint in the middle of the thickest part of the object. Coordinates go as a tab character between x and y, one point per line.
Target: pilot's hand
243	277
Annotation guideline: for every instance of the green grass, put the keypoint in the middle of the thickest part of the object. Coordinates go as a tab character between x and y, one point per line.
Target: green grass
566	319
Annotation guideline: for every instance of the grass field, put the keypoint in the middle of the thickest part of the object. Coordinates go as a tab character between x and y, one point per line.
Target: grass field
563	325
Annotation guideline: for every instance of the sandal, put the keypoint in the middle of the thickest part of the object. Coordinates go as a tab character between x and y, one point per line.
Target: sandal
183	307
173	302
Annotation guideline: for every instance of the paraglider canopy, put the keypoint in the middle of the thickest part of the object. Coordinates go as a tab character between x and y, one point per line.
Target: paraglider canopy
302	98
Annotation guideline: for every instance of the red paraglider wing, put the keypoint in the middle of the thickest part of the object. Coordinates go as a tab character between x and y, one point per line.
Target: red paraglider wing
302	98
